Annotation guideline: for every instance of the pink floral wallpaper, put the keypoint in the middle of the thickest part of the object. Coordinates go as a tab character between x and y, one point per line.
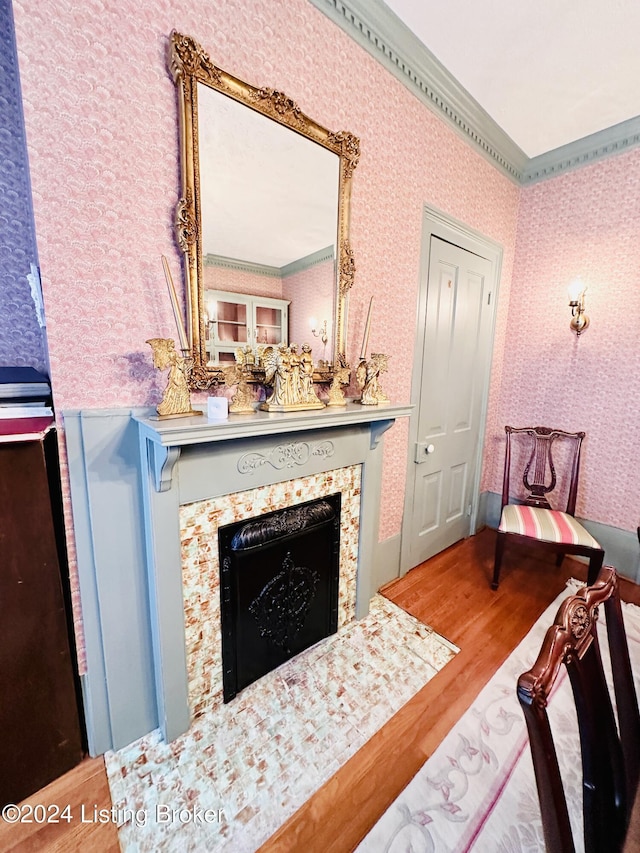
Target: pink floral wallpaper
312	295
100	114
583	224
100	111
241	281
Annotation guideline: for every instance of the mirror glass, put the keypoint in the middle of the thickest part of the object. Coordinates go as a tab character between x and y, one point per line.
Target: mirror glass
268	221
263	220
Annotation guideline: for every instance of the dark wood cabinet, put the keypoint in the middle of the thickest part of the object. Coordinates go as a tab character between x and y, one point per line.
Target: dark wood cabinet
40	730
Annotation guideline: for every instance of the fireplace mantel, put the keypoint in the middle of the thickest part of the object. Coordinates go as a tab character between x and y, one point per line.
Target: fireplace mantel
129	559
166	438
196	430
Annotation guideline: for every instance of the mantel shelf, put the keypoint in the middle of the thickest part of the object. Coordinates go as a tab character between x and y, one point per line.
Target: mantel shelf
200	430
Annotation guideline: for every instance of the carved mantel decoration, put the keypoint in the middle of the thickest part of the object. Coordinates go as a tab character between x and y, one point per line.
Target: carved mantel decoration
285	456
192	69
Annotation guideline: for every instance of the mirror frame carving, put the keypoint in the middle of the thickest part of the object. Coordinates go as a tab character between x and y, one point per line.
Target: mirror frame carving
189	65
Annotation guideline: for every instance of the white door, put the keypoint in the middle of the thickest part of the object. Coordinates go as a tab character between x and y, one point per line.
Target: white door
443	477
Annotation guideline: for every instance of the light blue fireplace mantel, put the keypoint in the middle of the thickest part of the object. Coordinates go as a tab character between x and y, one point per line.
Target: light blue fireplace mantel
129	474
166	438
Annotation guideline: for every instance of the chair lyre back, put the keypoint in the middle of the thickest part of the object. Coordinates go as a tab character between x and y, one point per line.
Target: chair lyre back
539	472
610	752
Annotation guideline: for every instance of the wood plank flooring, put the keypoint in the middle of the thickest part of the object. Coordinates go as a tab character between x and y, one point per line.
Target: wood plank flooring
86	785
451	593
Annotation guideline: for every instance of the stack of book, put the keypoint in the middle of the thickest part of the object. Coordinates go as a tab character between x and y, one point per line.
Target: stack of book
24	393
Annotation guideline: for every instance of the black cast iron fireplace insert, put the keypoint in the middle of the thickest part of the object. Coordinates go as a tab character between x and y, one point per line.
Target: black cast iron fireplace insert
278	588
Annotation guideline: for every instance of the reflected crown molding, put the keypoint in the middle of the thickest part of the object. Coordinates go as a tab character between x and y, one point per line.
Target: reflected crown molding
302	264
221	262
322	255
382	34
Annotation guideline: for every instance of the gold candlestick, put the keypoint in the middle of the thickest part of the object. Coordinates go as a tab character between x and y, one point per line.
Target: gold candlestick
367	329
182	334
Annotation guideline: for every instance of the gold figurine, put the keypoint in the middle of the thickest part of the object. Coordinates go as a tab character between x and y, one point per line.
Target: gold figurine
176	401
368	379
238	374
341	377
291	374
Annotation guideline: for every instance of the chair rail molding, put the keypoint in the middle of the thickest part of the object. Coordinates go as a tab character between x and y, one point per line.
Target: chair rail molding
380	32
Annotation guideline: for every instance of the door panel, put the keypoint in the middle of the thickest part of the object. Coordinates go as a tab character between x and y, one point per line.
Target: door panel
454	371
429	486
457	492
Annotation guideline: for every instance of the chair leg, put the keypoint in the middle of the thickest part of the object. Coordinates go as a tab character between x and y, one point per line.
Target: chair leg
595	564
498	560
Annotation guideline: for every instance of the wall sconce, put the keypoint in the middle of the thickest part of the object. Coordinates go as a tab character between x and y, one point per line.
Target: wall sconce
321	332
579	320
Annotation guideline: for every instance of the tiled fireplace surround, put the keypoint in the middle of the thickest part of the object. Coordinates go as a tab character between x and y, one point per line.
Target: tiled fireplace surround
199	525
148	497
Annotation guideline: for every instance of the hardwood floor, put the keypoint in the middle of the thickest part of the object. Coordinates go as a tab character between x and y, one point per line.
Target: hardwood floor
85	785
451	593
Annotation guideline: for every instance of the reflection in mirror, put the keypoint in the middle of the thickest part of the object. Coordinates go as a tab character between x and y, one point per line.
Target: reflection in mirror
269	225
263	220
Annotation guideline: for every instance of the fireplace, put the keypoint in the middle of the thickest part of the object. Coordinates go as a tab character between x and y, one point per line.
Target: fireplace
201	524
149	498
278	588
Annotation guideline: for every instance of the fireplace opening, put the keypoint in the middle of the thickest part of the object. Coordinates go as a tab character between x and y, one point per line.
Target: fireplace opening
279	576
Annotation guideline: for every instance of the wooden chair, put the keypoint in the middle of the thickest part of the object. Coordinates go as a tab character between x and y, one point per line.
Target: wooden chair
610	752
532	518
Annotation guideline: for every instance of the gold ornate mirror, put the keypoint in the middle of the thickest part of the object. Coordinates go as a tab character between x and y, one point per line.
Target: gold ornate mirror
263	218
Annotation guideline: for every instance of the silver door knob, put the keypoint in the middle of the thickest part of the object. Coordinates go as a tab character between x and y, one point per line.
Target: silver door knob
429	448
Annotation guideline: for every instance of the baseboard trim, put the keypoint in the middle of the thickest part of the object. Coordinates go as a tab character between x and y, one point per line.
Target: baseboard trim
620	546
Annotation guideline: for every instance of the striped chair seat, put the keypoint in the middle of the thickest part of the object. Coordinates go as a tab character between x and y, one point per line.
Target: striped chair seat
547	525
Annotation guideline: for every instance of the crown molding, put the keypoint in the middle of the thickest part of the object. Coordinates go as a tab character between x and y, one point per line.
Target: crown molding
302	264
326	254
597	146
380	32
221	262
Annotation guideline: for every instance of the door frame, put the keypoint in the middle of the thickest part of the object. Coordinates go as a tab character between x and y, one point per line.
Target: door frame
436	223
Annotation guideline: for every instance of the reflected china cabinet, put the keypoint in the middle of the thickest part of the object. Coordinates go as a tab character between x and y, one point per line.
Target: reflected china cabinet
238	319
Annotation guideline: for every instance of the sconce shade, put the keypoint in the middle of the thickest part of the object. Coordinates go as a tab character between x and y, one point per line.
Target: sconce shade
576	290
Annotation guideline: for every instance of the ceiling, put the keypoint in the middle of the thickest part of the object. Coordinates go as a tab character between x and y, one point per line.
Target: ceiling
547	73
